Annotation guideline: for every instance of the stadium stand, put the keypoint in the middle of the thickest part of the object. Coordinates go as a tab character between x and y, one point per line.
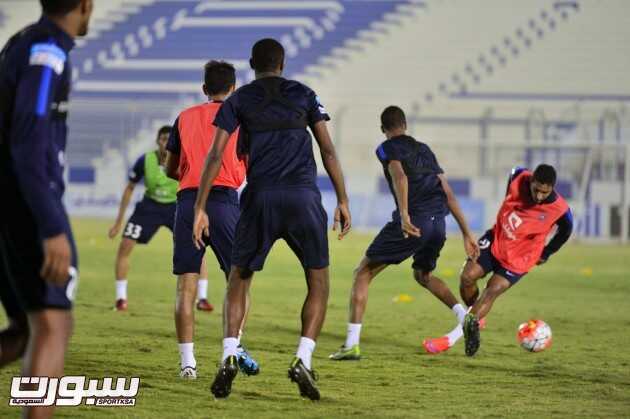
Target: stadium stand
487	84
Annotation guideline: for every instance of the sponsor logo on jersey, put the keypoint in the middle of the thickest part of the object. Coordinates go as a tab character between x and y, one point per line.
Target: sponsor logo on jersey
48	55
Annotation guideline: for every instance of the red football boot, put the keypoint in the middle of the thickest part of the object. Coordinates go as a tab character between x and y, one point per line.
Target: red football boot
121	305
204	305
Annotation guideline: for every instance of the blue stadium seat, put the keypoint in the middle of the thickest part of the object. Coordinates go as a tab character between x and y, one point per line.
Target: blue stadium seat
158	53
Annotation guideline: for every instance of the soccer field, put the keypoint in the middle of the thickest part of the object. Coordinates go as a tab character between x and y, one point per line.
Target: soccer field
582	293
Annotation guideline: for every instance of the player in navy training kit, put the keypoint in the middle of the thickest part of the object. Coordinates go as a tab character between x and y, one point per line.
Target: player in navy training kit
38	259
281	200
423	199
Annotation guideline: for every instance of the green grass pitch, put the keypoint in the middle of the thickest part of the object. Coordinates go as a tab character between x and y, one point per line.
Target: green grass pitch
582	293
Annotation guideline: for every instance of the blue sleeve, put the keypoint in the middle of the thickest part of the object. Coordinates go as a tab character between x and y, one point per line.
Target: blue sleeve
227	118
387	152
565	227
316	111
174	144
31	139
137	171
516	170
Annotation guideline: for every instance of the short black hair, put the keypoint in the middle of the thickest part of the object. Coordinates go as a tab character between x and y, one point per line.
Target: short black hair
59	7
393	117
267	55
545	174
219	77
166	129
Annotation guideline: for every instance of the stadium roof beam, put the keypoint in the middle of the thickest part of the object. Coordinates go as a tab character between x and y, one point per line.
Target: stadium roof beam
270	5
157	64
193	22
136	86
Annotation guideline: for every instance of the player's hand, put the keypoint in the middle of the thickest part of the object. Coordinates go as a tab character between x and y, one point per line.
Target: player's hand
408	228
113	232
343	219
201	227
57	255
472	247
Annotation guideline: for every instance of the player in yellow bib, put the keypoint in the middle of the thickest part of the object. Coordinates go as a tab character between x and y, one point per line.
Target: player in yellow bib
156	209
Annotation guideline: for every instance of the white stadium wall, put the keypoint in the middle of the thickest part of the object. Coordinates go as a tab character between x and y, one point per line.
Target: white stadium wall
487	84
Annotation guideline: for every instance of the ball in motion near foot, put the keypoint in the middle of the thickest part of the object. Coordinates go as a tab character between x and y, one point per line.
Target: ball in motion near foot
534	336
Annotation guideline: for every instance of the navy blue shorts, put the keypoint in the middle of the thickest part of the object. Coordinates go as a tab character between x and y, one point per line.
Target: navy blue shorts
391	247
223	212
21	257
147	218
294	214
490	264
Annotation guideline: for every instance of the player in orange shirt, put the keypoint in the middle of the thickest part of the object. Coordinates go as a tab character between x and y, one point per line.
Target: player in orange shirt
529	213
187	148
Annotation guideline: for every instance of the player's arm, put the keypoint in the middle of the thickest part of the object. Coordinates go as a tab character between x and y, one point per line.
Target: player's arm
565	228
30	147
209	174
401	190
470	242
173	151
135	175
343	219
172	165
122	208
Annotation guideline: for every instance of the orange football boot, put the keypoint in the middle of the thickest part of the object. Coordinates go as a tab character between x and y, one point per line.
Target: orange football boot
436	345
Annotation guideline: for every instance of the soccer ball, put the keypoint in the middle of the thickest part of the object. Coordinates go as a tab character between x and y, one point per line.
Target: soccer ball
534	336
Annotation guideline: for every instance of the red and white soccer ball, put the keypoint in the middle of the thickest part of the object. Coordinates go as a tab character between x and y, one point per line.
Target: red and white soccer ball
534	336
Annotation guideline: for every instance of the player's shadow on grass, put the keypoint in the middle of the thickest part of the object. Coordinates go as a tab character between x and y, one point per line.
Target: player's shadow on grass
254	395
338	337
544	372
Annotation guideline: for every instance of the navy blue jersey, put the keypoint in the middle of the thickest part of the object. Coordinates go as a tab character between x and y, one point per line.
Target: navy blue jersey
137	171
282	157
34	86
425	194
174	144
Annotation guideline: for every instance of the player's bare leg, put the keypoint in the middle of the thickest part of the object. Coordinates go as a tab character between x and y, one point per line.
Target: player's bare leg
203	304
316	302
436	286
468	289
496	286
471	273
246	363
236	297
235	307
313	315
46	349
185	322
121	271
13	341
440	290
363	276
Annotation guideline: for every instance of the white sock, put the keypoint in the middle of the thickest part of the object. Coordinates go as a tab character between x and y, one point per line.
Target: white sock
186	355
354	333
455	335
240	334
460	312
230	347
202	289
121	289
305	351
